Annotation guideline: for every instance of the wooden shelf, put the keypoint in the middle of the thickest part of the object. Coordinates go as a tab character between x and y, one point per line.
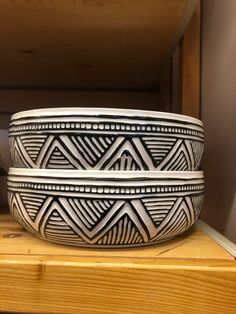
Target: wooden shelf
192	273
89	44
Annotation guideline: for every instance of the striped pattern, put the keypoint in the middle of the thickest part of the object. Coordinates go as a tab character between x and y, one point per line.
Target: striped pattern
89	212
125	162
57	230
57	160
113	124
197	150
197	202
102	221
32	204
123	233
103	152
158	147
178	220
158	207
33	145
92	148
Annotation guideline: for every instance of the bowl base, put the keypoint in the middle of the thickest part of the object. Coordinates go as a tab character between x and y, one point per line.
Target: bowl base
107	247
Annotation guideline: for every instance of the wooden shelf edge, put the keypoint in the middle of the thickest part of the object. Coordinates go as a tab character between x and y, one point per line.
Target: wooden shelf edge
201	243
228	245
192	273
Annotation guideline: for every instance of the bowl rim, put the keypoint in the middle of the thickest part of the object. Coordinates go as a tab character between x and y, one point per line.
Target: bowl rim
103	174
99	111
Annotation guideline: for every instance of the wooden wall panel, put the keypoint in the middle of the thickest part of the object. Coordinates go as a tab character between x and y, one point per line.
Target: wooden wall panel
165	88
17	100
189	67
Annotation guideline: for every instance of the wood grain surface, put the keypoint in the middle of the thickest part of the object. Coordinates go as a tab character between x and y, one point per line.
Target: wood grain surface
190	66
191	274
89	44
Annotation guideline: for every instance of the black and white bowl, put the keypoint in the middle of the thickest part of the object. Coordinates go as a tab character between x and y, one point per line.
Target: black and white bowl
103	209
105	139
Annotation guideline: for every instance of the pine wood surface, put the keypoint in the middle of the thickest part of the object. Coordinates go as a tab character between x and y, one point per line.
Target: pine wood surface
89	44
191	274
189	66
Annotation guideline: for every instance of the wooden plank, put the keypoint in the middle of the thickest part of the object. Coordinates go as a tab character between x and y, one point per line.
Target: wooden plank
228	245
165	89
189	67
190	274
49	285
90	44
175	77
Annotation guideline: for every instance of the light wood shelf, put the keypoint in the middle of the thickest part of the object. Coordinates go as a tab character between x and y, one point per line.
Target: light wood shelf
107	45
191	274
89	44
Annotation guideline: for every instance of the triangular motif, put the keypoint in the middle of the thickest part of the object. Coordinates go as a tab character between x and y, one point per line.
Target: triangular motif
123	232
92	148
159	207
89	211
58	230
57	160
32	204
127	155
33	145
19	213
59	153
135	213
19	155
158	148
18	159
125	162
179	158
179	219
98	230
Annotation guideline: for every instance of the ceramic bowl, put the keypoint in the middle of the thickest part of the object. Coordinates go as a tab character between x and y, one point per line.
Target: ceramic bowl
105	209
105	139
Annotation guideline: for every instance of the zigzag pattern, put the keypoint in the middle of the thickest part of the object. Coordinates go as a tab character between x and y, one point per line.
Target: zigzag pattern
82	221
105	152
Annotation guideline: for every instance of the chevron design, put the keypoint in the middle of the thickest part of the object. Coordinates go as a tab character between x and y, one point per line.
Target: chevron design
105	220
105	152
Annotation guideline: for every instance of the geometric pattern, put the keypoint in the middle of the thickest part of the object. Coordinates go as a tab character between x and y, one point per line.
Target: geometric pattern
103	146
124	213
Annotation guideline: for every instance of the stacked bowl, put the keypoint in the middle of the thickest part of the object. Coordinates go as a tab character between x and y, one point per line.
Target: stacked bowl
105	177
